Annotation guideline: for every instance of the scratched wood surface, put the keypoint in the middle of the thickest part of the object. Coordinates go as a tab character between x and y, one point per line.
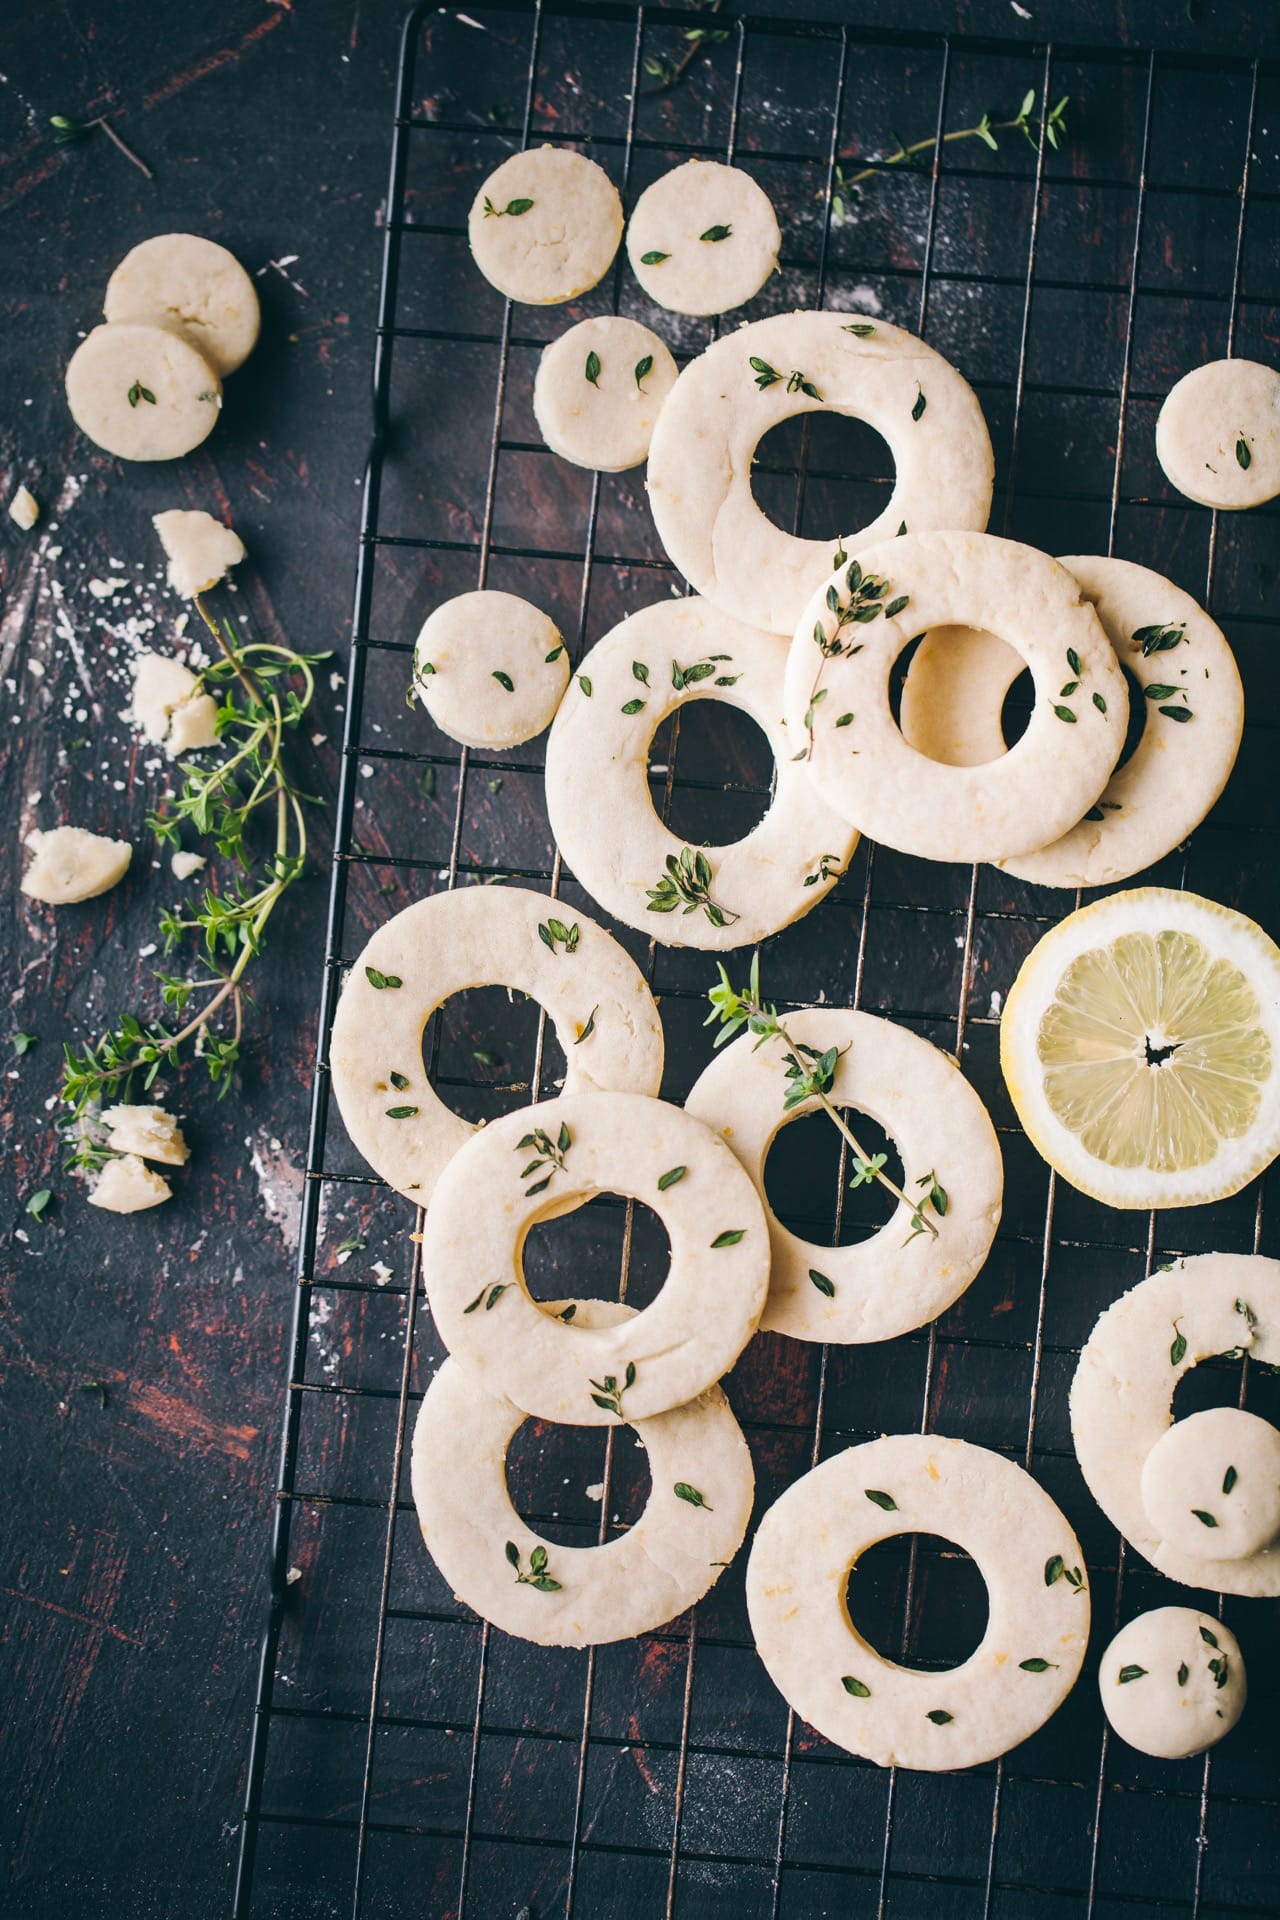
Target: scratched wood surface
133	1531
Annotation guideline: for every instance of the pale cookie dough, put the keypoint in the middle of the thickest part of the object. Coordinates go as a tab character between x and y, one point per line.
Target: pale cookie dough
838	694
490	669
1218	434
142	391
1211	1484
1037	1624
601	808
183	280
545	226
898	1279
199	549
1172	1682
1193	714
1122	1396
598	391
703	238
478	937
633	1583
722	406
72	864
545	1159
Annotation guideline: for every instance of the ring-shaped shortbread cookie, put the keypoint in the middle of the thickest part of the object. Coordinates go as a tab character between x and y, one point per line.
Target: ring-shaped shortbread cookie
727	399
1038	1602
898	1279
490	669
598	391
545	226
547	1159
1218	434
1172	1682
476	937
598	798
669	1558
838	694
1193	716
703	238
1122	1395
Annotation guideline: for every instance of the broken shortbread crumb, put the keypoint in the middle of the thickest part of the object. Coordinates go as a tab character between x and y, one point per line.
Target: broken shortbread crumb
185	864
199	549
72	864
148	1131
167	706
24	509
128	1185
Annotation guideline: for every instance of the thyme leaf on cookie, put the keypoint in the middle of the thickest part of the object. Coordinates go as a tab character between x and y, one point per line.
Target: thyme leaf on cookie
642	370
536	1575
609	1394
551	1153
863	600
766	376
683	1491
138	392
1151	640
1229	1479
729	1238
940	1717
885	1501
858	1688
822	1283
592	369
1036	1665
920	403
801	383
716	233
653	259
809	1072
937	1198
1131	1673
687	884
503	679
514	207
382	980
828	864
590	1027
1244	455
1178	1350
671	1178
554	934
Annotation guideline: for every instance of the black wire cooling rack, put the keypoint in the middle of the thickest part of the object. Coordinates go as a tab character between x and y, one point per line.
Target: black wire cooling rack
405	1759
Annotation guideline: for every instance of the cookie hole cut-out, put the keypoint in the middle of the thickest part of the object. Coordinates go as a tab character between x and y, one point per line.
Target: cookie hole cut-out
488	1042
835	470
947	1615
611	1251
1217	1383
556	1475
803	1185
724	772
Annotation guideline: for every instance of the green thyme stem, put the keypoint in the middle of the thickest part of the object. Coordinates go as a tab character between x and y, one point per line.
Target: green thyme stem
905	155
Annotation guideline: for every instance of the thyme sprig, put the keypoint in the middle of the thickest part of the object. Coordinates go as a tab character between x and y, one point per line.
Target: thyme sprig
220	799
688	880
609	1394
67	131
536	1575
551	1153
863	601
810	1074
848	186
669	73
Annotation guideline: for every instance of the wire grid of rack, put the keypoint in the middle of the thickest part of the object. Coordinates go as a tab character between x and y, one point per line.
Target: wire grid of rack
404	1758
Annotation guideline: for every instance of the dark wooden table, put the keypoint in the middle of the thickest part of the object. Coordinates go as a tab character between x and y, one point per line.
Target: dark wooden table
141	1360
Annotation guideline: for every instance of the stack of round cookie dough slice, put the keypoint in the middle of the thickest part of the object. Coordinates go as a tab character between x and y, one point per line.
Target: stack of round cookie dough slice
181	314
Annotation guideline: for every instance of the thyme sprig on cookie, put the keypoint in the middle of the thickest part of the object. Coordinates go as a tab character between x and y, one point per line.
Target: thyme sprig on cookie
688	880
809	1075
221	799
863	601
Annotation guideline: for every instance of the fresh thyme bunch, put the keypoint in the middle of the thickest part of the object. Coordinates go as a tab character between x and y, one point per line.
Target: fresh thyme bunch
810	1075
265	692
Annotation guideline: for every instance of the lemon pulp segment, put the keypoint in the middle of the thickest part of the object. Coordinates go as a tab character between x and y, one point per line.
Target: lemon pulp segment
1154	1051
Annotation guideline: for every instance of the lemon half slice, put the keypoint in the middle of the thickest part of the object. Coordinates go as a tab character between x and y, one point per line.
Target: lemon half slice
1141	1047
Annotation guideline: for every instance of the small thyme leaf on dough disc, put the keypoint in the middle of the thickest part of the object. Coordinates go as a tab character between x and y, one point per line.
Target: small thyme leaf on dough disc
589	1029
1210	1639
1159	639
684	1491
537	1575
1159	691
584	683
504	679
860	328
592	369
1181	714
1073	662
653	259
399	1081
1184	1674
920	404
940	1717
401	1113
857	1688
514	207
138	392
1205	1519
1054	1569
716	233
569	1311
1131	1673
552	931
766	376
729	1238
801	383
1036	1665
632	706
642	370
553	655
671	1178
1244	456
822	1283
1099	703
1065	713
1178	1350
382	980
880	1499
1229	1479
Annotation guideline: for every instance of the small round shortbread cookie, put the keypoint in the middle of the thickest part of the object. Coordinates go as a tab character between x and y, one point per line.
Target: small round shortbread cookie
194	284
900	1278
598	795
727	399
548	1159
1038	1602
838	696
703	238
1122	1397
693	1522
1218	434
545	226
1211	1484
490	669
142	391
1172	1682
598	391
478	937
1193	717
